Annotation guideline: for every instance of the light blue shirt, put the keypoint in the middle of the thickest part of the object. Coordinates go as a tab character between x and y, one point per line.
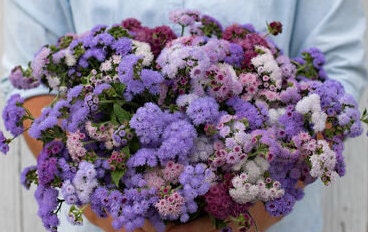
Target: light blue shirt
335	26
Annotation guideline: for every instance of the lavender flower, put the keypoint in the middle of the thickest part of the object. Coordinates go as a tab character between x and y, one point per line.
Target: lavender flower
203	110
39	62
22	80
184	17
14	114
4	144
148	124
47	203
178	140
28	176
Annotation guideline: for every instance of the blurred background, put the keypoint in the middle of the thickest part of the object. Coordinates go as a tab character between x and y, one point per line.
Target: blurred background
345	201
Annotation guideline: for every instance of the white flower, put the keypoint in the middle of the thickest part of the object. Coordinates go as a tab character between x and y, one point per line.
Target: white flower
53	82
185	99
319	121
310	103
243	191
253	170
274	114
143	49
262	163
323	162
239	126
116	59
69	58
203	148
266	63
106	66
241	137
244	195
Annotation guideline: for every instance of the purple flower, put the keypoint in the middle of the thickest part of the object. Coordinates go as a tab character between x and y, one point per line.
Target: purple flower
85	181
39	62
77	116
103	39
47	199
151	80
250	112
4	144
74	92
47	167
13	115
41	124
122	46
100	88
212	25
21	80
203	110
27	176
100	200
148	124
282	206
235	55
129	76
144	156
184	17
178	140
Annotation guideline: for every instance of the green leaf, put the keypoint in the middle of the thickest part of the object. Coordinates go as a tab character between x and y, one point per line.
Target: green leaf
113	119
126	150
121	114
116	175
218	223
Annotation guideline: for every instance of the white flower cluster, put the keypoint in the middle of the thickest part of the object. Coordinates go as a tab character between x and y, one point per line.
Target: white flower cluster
274	115
266	63
53	81
185	99
203	148
323	162
250	185
103	133
143	49
70	59
312	104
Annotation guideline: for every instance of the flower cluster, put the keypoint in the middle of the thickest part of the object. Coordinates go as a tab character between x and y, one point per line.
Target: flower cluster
150	125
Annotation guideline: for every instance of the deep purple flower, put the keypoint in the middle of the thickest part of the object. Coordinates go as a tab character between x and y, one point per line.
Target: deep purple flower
282	206
47	167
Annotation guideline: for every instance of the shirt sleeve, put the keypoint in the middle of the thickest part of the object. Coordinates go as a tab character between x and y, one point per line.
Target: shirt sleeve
336	27
28	25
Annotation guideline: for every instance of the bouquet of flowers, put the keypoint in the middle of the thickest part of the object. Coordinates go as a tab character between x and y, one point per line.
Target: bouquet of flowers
150	125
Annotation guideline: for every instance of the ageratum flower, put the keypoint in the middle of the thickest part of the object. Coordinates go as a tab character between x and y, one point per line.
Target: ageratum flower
150	125
14	114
